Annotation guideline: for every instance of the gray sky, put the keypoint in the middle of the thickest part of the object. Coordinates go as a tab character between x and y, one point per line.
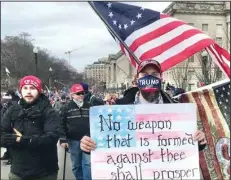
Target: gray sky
63	26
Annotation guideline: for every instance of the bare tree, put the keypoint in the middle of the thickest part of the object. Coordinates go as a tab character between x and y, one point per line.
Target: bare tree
17	55
209	71
181	75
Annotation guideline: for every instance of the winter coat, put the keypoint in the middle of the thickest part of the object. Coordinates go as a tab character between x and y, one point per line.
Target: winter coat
36	153
74	121
93	100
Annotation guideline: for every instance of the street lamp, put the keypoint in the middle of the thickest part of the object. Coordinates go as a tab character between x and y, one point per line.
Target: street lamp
50	70
35	51
204	55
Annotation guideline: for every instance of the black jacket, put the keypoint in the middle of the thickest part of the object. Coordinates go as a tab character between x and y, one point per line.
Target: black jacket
36	153
74	121
92	99
8	104
129	98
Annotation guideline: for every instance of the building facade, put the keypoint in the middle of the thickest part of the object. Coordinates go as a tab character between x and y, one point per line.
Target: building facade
119	72
113	72
213	18
96	71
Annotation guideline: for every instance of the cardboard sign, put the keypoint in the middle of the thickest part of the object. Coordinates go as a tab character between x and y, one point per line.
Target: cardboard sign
144	142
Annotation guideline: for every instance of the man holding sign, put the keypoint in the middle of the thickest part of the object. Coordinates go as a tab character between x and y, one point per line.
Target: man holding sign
149	78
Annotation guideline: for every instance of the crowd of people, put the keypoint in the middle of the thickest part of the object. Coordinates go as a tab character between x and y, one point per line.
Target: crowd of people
33	124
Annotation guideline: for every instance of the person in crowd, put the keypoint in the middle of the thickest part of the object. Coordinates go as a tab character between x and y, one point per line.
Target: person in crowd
170	90
45	92
68	99
114	97
134	87
178	91
149	70
75	124
31	129
60	103
91	98
8	100
107	99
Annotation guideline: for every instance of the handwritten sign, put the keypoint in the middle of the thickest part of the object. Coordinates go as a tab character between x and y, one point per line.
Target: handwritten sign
144	142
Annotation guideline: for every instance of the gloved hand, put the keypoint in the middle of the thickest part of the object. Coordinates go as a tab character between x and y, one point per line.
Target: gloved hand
9	139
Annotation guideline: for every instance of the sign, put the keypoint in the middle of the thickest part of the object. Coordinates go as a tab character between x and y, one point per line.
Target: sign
144	142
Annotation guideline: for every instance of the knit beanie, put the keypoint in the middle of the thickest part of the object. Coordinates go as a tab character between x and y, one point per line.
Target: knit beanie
31	80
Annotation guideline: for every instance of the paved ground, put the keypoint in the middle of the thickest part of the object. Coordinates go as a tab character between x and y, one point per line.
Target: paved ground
69	175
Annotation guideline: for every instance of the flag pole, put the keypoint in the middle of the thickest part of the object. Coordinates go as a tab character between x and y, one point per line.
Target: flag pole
114	33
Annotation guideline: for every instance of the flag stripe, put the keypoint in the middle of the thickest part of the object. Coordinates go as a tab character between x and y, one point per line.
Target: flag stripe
102	157
161	34
203	166
215	59
213	111
182	55
163	134
185	44
203	114
217	56
218	59
147	29
157	50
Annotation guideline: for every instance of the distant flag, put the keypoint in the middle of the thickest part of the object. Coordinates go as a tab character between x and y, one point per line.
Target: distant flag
149	34
7	71
213	104
48	90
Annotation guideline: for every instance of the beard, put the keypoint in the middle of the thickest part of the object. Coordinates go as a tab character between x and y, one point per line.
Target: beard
150	96
31	99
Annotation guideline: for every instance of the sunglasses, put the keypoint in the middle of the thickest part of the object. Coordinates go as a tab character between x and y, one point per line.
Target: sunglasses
79	93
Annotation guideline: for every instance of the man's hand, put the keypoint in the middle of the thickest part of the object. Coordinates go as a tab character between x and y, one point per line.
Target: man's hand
17	132
65	145
87	144
18	139
200	137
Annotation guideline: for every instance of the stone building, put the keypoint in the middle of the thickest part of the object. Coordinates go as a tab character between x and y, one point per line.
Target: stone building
96	71
213	18
119	72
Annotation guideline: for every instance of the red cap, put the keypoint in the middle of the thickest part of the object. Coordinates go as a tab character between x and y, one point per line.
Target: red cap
76	88
31	80
148	62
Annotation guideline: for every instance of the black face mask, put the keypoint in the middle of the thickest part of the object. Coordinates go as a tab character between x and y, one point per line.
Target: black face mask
149	84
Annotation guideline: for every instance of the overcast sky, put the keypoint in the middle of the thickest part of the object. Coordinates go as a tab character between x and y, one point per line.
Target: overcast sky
63	26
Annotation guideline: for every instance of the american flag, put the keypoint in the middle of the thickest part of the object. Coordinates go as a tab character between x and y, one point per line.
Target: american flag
131	116
152	35
213	104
